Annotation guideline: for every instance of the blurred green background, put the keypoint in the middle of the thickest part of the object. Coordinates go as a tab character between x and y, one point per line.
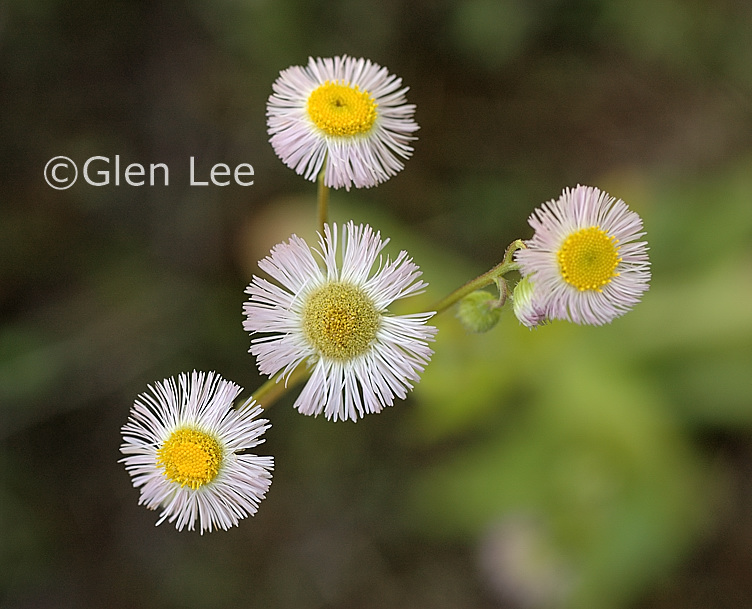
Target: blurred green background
567	467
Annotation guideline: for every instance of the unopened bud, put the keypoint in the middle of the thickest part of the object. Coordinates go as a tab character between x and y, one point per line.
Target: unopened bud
526	309
479	311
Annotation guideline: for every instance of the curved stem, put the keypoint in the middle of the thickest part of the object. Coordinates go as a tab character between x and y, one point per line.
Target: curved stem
276	386
505	266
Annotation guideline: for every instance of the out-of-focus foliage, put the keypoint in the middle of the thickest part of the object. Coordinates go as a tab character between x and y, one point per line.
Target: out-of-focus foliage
564	467
584	431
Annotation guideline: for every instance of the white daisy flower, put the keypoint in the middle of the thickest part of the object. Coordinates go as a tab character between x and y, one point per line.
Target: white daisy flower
348	113
185	447
584	260
335	320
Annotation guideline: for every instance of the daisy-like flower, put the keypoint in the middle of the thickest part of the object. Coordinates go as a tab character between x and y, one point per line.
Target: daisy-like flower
348	113
334	319
585	262
185	449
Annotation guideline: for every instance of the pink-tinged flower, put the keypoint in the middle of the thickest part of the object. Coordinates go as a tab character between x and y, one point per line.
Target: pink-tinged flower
584	261
526	308
185	448
347	114
328	311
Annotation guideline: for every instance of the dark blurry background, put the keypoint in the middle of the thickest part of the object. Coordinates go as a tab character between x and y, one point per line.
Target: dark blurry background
566	467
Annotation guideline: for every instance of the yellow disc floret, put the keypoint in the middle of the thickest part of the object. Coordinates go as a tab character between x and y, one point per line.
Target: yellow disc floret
190	457
588	258
341	110
340	320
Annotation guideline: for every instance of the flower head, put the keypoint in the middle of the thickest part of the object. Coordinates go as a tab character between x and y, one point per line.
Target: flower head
334	318
348	113
185	449
584	260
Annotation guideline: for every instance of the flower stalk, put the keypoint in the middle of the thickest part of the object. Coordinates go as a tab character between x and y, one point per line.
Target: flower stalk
494	275
275	387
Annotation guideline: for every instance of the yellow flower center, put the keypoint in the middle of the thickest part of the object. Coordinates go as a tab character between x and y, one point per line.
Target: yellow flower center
340	321
588	258
341	109
190	457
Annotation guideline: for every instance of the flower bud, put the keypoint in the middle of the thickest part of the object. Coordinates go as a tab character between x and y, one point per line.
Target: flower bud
526	307
479	311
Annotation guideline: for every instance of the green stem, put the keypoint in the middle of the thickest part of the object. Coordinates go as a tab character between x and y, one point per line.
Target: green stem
503	288
275	387
323	200
505	266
